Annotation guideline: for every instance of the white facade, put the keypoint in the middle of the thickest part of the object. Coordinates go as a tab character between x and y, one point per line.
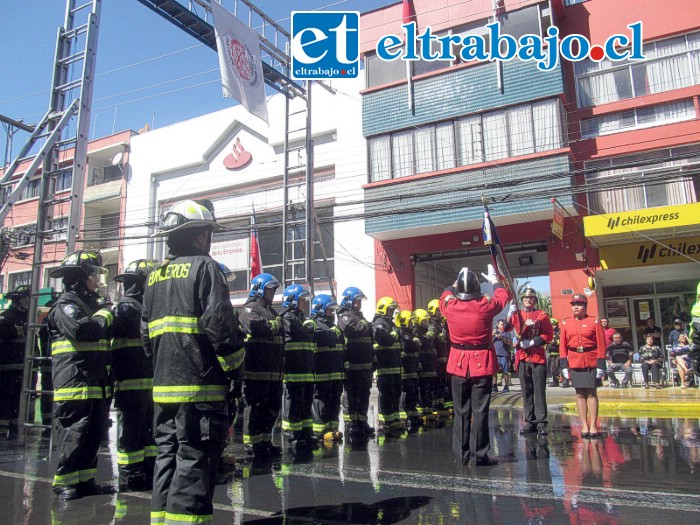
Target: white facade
190	159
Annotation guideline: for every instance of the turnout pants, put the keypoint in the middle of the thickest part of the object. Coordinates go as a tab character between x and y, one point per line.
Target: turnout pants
409	399
81	426
389	387
470	430
326	406
296	416
190	439
553	363
10	394
262	406
426	385
533	381
357	386
136	450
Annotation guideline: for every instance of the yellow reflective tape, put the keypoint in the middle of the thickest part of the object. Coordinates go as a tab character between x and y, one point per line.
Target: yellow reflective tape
150	451
231	361
106	314
118	344
72	478
298	378
174	324
133	384
81	393
130	458
291	425
188	393
157	517
300	345
65	346
388	371
87	475
175	519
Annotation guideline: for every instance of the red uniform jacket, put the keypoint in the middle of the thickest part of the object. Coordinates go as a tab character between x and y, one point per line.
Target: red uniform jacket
532	325
582	343
470	324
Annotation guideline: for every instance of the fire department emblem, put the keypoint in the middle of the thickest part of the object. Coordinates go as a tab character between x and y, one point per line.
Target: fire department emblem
242	61
69	310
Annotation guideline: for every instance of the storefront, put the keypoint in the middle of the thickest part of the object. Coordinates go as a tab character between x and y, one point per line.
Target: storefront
650	266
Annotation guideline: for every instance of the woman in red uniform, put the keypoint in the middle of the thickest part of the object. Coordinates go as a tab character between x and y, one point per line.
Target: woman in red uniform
582	353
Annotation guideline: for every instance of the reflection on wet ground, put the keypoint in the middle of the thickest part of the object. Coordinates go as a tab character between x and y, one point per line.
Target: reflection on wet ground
642	470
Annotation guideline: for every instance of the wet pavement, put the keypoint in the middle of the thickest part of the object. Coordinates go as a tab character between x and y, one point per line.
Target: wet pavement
644	470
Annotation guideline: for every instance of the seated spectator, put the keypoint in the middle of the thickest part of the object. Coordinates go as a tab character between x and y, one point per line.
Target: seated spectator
652	329
676	332
619	356
652	359
680	355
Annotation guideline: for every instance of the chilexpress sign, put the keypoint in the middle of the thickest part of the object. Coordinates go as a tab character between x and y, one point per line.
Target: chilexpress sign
504	47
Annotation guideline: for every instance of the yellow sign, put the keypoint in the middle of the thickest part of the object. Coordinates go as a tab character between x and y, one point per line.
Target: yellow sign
558	221
642	220
650	253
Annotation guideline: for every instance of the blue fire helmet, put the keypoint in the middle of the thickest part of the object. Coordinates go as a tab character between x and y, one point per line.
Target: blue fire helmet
228	273
261	282
349	295
292	294
322	305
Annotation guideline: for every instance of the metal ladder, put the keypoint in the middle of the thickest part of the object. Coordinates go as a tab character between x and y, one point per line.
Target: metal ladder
61	134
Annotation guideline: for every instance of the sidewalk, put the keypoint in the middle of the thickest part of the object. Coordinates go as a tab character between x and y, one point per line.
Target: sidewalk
633	402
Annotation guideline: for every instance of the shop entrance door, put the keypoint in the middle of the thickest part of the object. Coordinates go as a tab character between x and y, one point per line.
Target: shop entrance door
643	309
662	308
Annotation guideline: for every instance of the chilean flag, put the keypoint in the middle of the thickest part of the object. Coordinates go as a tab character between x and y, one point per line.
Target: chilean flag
255	260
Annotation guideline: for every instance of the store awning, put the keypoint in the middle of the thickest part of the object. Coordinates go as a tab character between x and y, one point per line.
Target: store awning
665	222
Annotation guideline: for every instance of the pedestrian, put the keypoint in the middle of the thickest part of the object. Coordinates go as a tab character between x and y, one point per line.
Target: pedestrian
680	355
427	376
329	370
472	361
503	344
133	383
360	347
619	356
263	367
676	332
553	353
298	383
387	359
410	368
80	349
443	392
188	326
652	358
582	353
13	336
534	332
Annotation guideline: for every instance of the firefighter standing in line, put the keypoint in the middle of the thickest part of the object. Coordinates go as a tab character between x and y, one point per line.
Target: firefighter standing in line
263	367
299	347
387	358
472	360
133	383
553	353
428	374
188	327
410	367
694	332
534	332
329	369
442	351
13	336
80	349
358	336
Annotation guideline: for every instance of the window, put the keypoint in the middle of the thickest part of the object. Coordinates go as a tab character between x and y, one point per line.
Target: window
23	236
519	130
644	180
60	226
64	180
638	118
670	64
109	227
31	190
100	175
2	283
19	279
53	282
573	2
4	194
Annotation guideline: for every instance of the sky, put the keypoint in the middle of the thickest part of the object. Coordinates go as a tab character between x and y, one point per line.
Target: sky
147	72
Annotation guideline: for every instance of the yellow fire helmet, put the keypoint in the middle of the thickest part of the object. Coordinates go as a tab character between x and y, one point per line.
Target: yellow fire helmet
433	306
421	315
384	304
404	319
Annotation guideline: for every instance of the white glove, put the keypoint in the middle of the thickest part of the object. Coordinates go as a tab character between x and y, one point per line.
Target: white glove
565	373
491	275
512	309
527	343
600	373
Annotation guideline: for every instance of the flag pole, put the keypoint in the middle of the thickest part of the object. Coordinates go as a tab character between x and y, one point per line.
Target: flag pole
498	255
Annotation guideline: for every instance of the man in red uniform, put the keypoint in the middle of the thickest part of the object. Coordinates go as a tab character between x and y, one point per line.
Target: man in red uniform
582	353
472	361
534	331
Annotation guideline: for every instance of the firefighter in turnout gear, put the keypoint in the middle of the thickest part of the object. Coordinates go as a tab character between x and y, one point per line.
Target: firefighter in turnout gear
472	360
358	338
188	326
410	367
264	362
443	392
329	363
553	353
428	372
534	332
133	383
387	358
13	332
78	331
299	347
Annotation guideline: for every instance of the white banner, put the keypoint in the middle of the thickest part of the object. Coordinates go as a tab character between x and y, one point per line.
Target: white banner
239	60
232	252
